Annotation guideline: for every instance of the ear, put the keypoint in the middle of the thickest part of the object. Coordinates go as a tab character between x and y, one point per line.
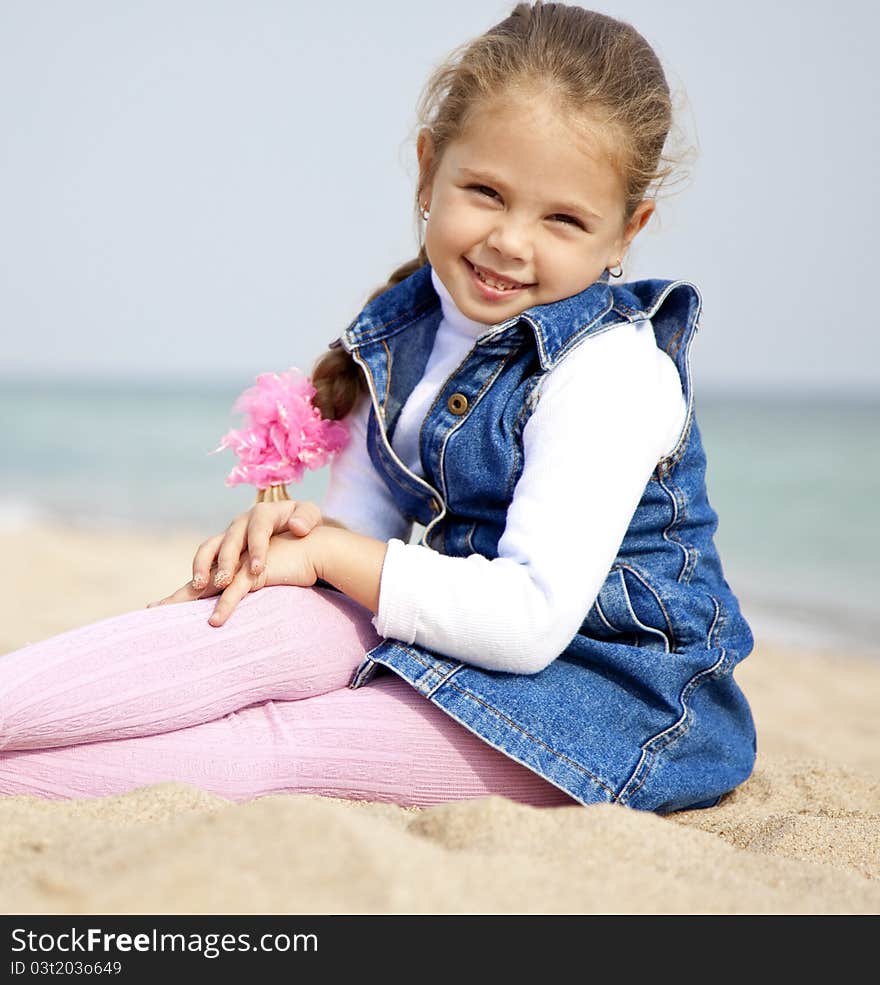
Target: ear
425	153
643	212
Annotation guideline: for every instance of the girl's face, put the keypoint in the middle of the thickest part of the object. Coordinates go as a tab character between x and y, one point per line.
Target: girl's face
526	201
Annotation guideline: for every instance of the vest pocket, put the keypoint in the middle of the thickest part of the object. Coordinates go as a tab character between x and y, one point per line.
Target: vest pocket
628	610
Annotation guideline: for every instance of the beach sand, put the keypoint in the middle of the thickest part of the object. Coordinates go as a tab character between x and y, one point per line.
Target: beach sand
802	835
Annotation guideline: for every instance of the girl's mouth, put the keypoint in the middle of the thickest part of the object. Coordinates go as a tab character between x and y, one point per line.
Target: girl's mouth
489	288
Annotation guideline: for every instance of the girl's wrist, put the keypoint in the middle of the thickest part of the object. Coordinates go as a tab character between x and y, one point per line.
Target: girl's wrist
349	561
318	549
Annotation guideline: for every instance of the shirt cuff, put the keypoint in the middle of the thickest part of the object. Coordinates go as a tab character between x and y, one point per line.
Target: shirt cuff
405	578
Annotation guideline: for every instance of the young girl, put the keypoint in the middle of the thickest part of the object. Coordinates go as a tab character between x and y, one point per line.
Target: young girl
563	632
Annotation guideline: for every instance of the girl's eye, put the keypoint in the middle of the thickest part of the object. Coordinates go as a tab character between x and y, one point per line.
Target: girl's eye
484	189
568	219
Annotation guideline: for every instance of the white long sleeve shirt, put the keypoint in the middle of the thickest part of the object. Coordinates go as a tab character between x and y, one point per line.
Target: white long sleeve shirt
604	418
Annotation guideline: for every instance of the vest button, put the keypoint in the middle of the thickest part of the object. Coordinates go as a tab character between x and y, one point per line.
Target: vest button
457	403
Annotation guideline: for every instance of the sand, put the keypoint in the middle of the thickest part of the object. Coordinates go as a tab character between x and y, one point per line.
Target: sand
802	835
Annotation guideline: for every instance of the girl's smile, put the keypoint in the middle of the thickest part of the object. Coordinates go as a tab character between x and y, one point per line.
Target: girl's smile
492	286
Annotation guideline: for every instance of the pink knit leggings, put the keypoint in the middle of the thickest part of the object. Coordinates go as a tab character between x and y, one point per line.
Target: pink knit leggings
260	705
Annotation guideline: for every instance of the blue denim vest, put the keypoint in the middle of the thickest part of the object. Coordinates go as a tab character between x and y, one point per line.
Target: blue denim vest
641	708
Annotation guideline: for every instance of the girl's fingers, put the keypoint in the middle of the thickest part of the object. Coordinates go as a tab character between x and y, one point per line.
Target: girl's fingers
304	518
204	560
232	543
267	519
179	596
239	587
186	593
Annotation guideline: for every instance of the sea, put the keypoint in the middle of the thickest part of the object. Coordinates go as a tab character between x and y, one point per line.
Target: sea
794	478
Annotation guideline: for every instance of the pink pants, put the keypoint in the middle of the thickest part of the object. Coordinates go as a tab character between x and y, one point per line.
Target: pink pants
260	705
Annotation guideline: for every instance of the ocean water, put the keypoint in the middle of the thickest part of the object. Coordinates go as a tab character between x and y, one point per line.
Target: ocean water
796	485
795	481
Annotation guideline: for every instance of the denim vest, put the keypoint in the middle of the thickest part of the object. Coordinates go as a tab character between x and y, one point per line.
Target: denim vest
641	708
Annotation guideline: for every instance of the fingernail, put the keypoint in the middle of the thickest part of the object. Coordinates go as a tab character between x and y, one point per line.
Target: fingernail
214	619
220	578
199	581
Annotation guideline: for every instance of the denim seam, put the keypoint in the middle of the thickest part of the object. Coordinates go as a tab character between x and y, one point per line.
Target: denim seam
525	412
661	297
628	312
671	537
577	333
375	333
464	417
532	395
679	727
360	676
644	580
444	680
387	374
669	462
684	437
662	740
404	479
632	612
411	482
578	338
516	465
714	620
430	667
717	623
601	613
436	399
672	460
580	768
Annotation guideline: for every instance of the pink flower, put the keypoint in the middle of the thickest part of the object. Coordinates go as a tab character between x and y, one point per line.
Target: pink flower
285	433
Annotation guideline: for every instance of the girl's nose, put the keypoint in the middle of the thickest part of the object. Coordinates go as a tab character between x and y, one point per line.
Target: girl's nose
510	238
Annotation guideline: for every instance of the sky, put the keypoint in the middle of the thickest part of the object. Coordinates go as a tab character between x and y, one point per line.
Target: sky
204	191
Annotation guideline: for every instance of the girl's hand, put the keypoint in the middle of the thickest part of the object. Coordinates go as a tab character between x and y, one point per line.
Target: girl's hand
251	530
288	561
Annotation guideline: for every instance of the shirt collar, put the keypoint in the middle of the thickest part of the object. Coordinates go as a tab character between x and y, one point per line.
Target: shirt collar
555	325
453	315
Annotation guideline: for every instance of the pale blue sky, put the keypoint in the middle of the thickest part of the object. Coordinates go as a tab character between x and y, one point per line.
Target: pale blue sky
209	190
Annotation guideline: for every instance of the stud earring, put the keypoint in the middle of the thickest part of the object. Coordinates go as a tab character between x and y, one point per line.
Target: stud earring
424	210
619	269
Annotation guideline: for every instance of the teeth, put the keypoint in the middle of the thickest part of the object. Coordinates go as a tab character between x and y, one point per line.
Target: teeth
494	283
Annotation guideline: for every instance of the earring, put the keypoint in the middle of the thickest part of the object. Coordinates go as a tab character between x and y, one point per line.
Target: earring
424	210
619	269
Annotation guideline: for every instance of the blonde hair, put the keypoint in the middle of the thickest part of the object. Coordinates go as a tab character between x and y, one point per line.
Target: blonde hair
598	69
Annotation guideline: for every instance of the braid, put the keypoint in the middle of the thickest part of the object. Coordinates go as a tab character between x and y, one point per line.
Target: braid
337	378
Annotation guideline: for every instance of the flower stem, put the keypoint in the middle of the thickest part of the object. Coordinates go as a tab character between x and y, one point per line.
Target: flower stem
273	494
